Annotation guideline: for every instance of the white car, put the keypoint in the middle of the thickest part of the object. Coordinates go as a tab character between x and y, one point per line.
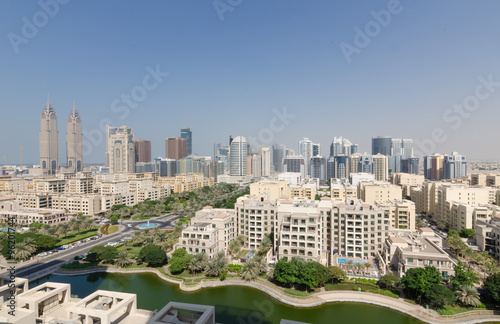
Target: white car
129	225
42	254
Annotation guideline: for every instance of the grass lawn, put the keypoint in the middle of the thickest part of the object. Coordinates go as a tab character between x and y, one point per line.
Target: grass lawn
73	236
242	253
296	293
132	251
140	217
452	310
112	229
187	274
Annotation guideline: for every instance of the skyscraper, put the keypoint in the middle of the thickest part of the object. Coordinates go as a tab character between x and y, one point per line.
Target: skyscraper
365	163
188	135
120	149
74	141
308	149
265	153
382	145
175	148
433	166
238	156
454	166
49	140
318	168
341	167
381	167
142	151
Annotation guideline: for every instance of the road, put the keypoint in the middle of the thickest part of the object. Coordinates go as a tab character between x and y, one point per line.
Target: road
40	263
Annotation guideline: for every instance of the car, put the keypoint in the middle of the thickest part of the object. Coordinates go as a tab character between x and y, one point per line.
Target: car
78	257
129	225
42	254
61	249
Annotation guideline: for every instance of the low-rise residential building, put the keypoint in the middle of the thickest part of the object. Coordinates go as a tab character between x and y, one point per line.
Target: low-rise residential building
210	231
274	189
488	236
299	229
306	191
404	250
256	217
26	216
341	190
407	181
371	192
85	204
401	213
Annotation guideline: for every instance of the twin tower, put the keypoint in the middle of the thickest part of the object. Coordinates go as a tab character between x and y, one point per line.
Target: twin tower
49	141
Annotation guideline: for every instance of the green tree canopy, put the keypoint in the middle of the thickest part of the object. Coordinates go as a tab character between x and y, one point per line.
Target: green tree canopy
492	286
418	280
463	276
156	258
467	233
439	295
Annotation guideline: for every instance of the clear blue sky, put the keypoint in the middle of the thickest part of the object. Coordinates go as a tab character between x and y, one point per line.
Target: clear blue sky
227	75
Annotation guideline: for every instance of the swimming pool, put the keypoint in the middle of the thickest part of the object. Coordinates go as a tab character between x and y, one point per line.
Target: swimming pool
342	261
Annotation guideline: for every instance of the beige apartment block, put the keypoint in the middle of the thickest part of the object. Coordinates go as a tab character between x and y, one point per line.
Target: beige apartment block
488	236
401	212
186	182
85	204
275	189
461	215
49	185
128	199
114	187
10	203
26	216
256	216
407	181
299	229
342	190
14	185
34	200
371	192
404	250
80	185
357	229
484	179
216	236
306	191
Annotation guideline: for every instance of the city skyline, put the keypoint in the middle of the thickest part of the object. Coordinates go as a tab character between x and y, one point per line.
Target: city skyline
315	82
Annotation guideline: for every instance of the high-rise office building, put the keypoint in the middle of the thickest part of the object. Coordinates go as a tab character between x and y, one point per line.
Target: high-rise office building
410	165
433	167
294	163
279	152
341	167
330	168
365	163
454	166
343	146
256	165
308	149
402	147
318	168
381	167
74	141
354	162
188	135
165	167
142	151
382	145
120	149
175	148
265	153
49	140
238	156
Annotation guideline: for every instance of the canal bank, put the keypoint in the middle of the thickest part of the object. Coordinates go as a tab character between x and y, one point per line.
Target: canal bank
315	301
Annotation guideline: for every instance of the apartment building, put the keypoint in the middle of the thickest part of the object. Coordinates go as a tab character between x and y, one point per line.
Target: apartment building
341	190
401	212
274	189
488	236
306	191
299	229
371	192
210	231
404	250
256	217
407	181
86	204
26	216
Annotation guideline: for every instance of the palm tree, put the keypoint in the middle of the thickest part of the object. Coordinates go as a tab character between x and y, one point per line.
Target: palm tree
215	266
234	247
261	263
88	223
367	265
468	295
22	251
63	228
250	270
123	260
349	264
198	263
77	225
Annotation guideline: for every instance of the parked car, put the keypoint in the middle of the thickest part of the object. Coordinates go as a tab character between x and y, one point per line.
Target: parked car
42	254
129	225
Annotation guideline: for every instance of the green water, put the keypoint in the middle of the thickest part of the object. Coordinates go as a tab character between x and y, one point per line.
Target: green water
233	305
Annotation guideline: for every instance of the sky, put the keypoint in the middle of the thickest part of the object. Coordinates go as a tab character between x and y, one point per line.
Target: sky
272	71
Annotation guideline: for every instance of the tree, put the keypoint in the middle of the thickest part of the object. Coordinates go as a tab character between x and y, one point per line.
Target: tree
265	245
250	270
453	233
36	225
443	224
468	295
336	274
63	228
463	276
145	250
156	258
285	272
419	280
215	266
22	251
234	247
113	220
467	233
388	281
492	286
439	295
122	259
198	263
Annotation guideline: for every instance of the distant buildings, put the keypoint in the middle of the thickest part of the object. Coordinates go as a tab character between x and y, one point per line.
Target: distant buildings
381	145
187	134
238	156
74	141
175	148
49	140
438	167
142	151
120	149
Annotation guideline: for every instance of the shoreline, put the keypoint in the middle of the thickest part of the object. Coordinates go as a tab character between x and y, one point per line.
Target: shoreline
316	299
